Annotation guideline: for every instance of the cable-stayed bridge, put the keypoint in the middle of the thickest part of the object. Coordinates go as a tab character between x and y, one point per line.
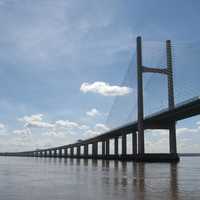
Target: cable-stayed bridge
164	119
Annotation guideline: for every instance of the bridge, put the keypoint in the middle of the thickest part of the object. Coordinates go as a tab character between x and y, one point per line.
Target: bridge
164	119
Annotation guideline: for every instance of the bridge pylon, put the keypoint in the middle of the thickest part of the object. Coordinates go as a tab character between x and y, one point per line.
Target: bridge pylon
168	71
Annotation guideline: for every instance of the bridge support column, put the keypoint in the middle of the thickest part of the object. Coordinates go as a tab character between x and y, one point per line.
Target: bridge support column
172	138
86	150
103	149
31	154
65	153
140	98
45	153
116	146
171	104
55	153
72	151
134	143
78	151
124	144
107	148
60	153
50	153
94	149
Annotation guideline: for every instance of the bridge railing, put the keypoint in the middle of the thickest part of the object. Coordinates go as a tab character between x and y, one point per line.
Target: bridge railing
176	106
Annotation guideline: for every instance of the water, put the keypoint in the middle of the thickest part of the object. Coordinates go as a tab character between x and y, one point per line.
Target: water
60	179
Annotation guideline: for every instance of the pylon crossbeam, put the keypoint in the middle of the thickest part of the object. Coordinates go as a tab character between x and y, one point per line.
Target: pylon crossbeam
155	70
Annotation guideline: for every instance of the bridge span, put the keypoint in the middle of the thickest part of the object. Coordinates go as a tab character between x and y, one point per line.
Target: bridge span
164	119
159	120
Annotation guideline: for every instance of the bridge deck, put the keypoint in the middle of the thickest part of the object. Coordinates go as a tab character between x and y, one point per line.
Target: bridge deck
182	111
157	120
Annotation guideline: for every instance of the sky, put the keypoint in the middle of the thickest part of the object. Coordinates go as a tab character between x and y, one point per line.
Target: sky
63	63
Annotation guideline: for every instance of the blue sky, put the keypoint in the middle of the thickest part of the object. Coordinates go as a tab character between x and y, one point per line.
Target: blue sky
49	49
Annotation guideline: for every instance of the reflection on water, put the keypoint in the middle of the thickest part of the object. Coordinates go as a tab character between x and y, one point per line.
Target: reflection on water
53	178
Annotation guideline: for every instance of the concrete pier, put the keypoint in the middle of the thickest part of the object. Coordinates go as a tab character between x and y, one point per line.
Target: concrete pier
55	153
60	153
50	153
95	150
65	153
78	151
85	150
107	148
124	147
71	151
116	146
103	149
134	143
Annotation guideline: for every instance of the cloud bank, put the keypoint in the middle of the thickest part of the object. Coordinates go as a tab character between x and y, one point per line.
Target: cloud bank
105	89
93	113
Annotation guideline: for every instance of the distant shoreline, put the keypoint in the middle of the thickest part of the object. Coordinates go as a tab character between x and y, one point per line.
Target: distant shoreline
189	154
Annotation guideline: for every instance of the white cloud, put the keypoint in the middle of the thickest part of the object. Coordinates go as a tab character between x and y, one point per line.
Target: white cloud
105	89
36	117
198	123
90	133
98	129
55	133
84	127
2	126
35	121
187	130
160	145
158	132
66	124
158	140
101	128
93	112
24	132
179	131
3	130
23	137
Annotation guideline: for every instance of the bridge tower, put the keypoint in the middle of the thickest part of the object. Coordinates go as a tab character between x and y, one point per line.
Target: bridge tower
168	71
